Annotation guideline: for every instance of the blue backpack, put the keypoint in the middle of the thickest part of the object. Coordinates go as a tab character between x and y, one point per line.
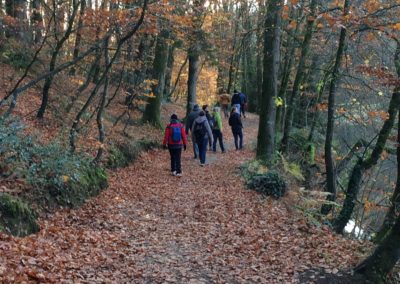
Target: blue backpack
176	134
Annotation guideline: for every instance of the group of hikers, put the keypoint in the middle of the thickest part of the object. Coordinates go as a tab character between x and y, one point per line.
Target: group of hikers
205	130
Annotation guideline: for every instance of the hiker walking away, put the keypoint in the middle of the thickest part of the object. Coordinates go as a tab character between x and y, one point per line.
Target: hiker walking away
236	101
217	130
224	100
210	121
236	124
175	139
243	104
189	123
201	132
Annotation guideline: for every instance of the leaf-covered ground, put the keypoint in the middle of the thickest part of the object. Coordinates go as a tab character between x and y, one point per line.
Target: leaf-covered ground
150	227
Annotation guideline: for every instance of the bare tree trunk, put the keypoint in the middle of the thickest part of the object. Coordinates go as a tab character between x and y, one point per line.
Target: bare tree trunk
329	161
78	34
266	134
55	53
99	118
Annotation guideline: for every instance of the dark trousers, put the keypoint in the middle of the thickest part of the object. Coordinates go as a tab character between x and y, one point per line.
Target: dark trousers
238	136
202	149
217	134
225	109
242	106
176	159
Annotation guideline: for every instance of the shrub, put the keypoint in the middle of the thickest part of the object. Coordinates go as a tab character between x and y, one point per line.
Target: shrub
270	184
121	154
14	54
16	217
62	178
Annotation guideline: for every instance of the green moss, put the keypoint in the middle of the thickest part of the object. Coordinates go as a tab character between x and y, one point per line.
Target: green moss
120	155
76	191
16	217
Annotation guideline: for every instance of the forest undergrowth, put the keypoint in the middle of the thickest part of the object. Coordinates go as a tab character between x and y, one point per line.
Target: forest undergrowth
151	227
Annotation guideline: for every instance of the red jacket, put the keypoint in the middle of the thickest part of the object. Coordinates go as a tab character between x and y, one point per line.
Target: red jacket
168	135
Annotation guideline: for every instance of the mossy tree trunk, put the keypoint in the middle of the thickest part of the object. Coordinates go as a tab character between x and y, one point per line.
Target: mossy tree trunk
152	111
266	128
363	165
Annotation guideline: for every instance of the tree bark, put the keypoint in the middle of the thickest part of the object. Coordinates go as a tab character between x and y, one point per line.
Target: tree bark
266	129
194	68
329	161
152	111
78	34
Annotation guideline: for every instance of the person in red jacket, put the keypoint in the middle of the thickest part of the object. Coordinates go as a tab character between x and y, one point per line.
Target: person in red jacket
174	140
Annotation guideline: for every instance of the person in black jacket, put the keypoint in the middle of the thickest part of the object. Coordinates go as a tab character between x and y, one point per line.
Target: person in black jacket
236	125
235	102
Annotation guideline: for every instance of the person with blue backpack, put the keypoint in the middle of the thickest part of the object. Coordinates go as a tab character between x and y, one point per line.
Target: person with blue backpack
201	132
175	139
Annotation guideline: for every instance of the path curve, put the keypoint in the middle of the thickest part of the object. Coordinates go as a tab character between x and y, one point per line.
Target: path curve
150	227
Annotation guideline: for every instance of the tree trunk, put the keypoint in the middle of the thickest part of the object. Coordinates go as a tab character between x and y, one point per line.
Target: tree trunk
287	69
36	21
168	75
99	117
377	266
259	49
78	34
152	111
329	162
299	75
266	134
194	64
59	45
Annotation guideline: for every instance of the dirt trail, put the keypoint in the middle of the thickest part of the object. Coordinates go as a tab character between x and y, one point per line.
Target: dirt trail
150	227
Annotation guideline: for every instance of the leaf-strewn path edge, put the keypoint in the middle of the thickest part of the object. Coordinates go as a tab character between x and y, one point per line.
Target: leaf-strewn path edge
151	227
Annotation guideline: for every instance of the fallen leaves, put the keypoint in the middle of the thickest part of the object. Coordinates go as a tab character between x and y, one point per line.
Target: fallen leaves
152	227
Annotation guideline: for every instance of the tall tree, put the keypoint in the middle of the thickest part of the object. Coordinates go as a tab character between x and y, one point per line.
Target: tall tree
329	161
272	35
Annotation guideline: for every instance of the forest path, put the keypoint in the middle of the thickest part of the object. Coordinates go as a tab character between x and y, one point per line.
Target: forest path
151	227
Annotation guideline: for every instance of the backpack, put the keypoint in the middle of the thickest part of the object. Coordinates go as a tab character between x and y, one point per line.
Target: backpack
200	130
176	134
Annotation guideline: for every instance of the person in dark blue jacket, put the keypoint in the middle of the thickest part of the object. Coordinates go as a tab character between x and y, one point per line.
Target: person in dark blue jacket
237	128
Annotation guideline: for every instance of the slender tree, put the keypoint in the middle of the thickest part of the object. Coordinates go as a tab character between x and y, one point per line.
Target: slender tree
329	161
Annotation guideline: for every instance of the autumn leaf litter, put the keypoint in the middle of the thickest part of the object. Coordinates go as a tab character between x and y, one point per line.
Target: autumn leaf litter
151	227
